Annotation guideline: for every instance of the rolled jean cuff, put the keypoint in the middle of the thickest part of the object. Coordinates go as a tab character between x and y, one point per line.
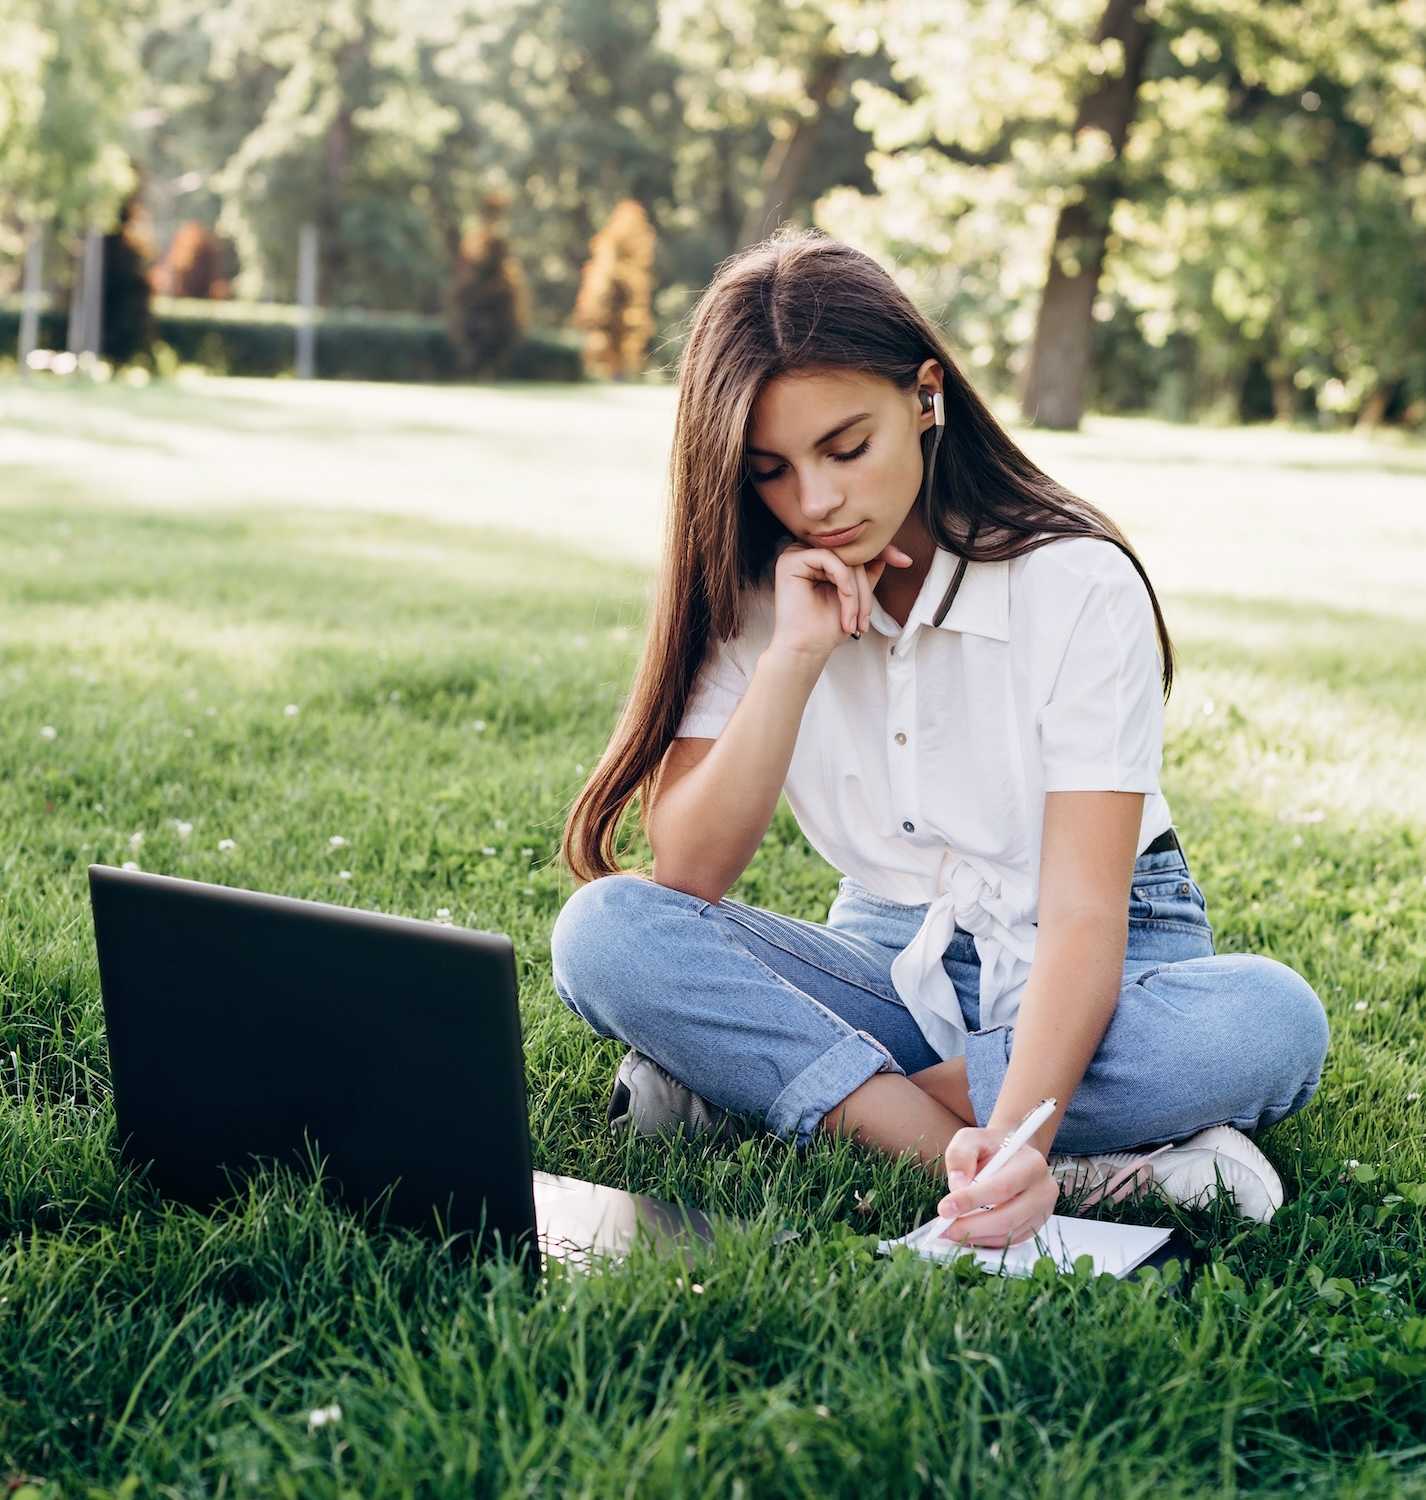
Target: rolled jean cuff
798	1110
987	1062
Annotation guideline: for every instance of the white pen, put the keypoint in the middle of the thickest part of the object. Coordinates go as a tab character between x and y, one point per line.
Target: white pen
1013	1142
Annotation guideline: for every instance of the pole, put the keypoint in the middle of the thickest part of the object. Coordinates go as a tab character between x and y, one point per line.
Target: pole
307	298
93	292
74	335
31	296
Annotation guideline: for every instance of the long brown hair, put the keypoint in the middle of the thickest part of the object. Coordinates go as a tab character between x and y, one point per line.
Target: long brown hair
796	301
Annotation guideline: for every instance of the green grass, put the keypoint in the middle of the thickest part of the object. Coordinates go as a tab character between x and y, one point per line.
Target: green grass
179	564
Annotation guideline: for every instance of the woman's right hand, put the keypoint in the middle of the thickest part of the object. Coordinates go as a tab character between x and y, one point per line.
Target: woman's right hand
819	600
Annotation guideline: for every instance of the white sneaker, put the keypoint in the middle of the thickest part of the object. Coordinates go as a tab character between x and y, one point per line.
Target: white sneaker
1187	1173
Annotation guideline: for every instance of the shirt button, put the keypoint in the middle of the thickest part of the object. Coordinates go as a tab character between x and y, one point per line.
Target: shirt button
900	739
909	827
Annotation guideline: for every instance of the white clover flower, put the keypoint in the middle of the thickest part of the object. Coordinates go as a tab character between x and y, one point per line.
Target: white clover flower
226	844
190	695
188	734
131	864
443	911
579	641
478	725
337	841
696	1289
528	853
486	849
292	710
1208	706
500	822
578	769
394	696
48	732
181	828
211	711
136	841
1411	1098
529	890
1360	1005
344	874
322	1415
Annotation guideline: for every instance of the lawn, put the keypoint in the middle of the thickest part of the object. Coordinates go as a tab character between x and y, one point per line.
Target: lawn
405	618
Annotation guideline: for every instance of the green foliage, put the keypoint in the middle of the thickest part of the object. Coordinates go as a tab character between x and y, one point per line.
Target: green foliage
345	142
1273	205
69	72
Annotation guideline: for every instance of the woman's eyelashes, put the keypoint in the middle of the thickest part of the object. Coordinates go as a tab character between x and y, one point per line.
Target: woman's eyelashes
841	458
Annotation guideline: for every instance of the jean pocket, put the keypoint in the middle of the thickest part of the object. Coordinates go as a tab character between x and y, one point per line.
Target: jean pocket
1172	896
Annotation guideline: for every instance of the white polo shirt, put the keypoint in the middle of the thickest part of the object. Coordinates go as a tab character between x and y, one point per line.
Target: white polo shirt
925	752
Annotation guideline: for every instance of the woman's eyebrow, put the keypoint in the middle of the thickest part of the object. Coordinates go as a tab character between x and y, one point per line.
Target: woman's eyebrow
826	437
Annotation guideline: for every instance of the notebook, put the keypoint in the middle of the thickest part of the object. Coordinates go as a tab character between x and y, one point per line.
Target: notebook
1115	1248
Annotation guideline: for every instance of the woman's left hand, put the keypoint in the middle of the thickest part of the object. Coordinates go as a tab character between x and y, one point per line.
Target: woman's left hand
1019	1197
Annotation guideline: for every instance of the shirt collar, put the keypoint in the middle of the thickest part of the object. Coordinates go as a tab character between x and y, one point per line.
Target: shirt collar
981	605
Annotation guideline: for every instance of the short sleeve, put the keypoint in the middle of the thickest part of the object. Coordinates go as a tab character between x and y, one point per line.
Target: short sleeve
1103	726
717	690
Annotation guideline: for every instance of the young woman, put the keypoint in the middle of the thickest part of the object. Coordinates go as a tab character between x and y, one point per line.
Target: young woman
951	666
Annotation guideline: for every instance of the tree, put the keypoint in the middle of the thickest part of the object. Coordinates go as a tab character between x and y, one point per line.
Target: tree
1053	394
1200	202
68	77
345	141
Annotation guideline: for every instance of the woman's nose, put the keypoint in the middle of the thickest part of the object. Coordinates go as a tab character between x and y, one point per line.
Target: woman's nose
819	502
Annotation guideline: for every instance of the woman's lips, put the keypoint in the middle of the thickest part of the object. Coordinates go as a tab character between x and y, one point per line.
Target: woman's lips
838	538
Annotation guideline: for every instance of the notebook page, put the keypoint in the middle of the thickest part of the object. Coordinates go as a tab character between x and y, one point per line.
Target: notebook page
1116	1248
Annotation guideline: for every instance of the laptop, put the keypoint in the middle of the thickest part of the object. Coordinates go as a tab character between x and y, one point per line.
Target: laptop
245	1027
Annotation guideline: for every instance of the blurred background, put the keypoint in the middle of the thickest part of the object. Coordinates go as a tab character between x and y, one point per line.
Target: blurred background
1209	210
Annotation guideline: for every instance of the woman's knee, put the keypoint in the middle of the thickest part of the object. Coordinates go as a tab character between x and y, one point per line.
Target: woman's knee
595	939
1291	1020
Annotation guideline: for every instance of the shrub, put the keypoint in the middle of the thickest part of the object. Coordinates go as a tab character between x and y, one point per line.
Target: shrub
127	331
259	338
614	306
193	266
487	307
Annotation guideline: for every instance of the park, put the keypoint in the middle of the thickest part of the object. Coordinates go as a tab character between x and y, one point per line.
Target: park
360	640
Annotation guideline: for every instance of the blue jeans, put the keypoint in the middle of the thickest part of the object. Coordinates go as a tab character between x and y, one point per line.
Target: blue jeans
782	1018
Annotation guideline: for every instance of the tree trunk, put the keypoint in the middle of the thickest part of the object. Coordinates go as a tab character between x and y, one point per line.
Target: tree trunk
787	157
1376	406
1053	393
1284	392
